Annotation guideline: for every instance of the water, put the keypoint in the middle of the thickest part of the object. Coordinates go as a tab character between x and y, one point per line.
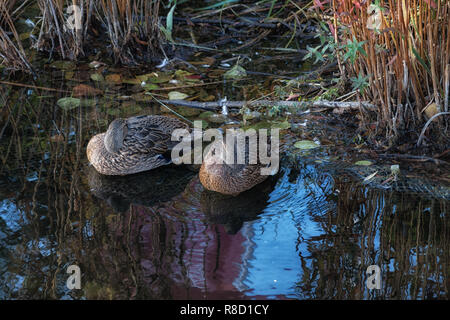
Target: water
304	234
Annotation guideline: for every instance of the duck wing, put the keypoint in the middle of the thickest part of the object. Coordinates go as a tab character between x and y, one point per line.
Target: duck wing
151	134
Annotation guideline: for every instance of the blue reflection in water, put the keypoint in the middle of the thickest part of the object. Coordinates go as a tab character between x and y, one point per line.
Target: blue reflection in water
275	241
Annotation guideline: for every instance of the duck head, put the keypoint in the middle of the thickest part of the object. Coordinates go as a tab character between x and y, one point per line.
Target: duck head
115	135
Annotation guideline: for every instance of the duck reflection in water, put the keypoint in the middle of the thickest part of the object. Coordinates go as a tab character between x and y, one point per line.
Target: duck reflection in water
233	211
145	188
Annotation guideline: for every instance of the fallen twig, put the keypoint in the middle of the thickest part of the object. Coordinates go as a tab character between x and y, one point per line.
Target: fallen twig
32	86
217	105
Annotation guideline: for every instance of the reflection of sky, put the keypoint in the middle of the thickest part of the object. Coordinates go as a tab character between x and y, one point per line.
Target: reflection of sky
11	215
276	239
10	221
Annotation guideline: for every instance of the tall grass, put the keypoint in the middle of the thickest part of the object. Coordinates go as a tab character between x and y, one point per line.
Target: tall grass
406	57
12	53
55	34
132	27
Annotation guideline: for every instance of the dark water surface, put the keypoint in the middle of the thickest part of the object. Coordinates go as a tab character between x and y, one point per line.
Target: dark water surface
304	234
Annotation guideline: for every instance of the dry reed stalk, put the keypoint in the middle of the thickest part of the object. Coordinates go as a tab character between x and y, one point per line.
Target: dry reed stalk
12	54
132	28
406	59
64	26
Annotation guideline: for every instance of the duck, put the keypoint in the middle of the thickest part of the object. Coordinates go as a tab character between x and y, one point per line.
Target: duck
229	179
133	145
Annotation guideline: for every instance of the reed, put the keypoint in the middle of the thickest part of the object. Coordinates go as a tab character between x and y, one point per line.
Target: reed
404	53
132	28
12	54
64	26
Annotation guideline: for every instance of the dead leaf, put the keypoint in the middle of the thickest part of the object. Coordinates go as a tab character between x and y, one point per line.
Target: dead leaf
83	90
114	78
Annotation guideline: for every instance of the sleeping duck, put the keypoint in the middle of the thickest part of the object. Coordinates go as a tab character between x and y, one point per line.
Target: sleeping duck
133	145
229	179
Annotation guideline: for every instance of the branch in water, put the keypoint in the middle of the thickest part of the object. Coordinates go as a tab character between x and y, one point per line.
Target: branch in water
217	105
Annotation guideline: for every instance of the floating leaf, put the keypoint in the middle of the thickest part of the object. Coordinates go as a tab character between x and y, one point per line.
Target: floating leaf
363	163
175	95
150	86
306	145
63	65
237	72
97	77
68	103
281	125
206	114
132	81
88	102
83	90
158	77
114	78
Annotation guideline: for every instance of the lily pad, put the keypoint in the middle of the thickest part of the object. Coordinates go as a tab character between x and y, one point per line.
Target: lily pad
175	95
68	103
363	163
306	145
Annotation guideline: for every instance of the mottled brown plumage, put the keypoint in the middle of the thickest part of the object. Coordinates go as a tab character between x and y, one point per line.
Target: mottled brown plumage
230	179
133	145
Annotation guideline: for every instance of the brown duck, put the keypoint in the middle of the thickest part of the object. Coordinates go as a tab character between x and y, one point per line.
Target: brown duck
133	145
230	179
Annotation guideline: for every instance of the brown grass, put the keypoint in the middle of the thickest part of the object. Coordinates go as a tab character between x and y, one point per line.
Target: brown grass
12	54
132	28
407	59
